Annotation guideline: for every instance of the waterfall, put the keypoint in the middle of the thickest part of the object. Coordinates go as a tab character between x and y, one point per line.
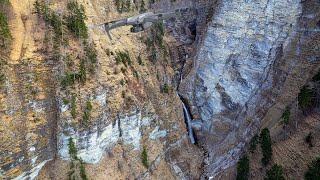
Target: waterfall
188	121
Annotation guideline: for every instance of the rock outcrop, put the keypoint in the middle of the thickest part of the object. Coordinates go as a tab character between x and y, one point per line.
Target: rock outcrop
254	55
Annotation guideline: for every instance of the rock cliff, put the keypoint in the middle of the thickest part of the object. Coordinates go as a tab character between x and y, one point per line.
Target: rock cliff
254	58
120	107
236	64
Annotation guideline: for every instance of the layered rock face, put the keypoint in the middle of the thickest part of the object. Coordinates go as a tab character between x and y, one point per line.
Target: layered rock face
254	53
129	110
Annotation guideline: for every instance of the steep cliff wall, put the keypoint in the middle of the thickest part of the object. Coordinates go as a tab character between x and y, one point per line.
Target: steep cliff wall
128	108
28	110
255	56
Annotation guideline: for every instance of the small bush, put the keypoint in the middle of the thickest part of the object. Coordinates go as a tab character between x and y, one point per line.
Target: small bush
165	88
135	74
122	5
243	168
73	106
123	57
91	53
65	101
308	139
209	15
285	116
275	173
142	7
72	149
144	157
74	158
82	71
87	112
313	171
140	60
83	174
2	78
265	141
5	34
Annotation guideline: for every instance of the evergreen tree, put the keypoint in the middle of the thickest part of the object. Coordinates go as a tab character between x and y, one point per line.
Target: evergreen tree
305	98
243	168
265	141
75	19
144	157
275	173
313	171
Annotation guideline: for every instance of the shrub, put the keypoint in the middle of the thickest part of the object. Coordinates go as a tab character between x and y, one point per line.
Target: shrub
72	149
82	71
165	88
275	173
253	143
75	19
305	98
91	53
142	7
5	34
2	78
69	79
285	116
74	158
122	5
308	139
65	101
135	74
140	60
55	21
265	141
153	55
313	171
209	15
123	57
144	157
87	112
82	171
316	77
73	106
243	167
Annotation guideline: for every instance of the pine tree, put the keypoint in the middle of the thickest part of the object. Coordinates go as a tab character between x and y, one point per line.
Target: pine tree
265	141
243	168
275	173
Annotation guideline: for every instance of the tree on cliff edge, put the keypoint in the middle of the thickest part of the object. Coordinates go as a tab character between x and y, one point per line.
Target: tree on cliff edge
265	141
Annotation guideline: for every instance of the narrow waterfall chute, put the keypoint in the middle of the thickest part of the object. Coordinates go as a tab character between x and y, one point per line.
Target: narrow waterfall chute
188	122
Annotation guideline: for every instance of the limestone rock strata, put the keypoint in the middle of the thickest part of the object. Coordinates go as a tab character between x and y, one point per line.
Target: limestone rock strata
93	141
254	52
